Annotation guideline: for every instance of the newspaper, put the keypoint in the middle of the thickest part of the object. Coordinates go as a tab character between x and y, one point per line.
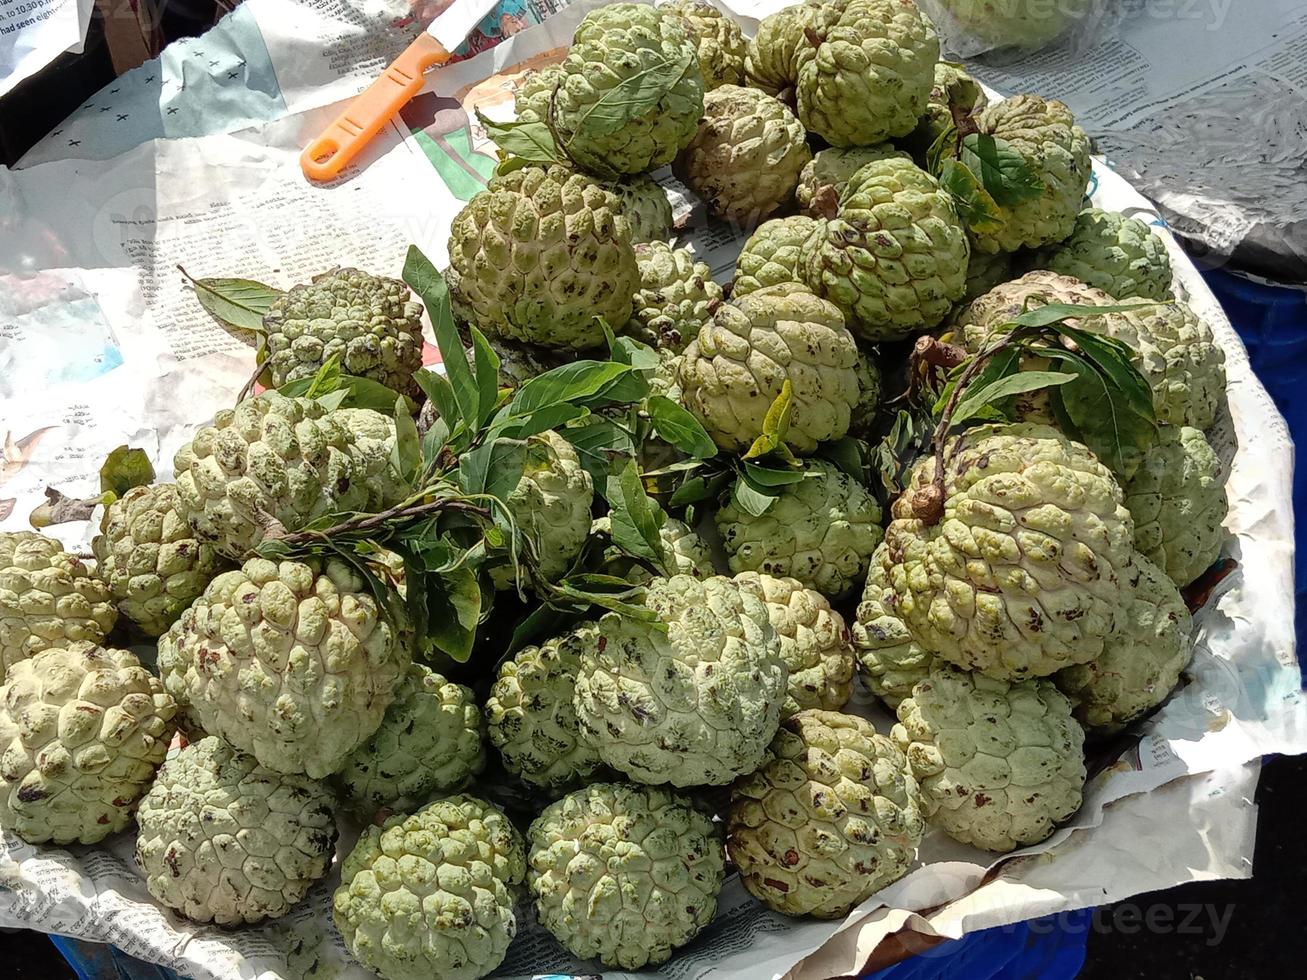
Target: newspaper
35	32
101	343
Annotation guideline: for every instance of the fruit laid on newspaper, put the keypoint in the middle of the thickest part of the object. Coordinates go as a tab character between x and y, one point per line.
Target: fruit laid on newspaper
863	543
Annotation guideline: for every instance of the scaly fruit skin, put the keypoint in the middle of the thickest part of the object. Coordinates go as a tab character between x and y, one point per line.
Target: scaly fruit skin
613	45
429	742
646	207
771	255
737	366
820	530
832	818
945	94
676	297
869	389
718	40
624	873
292	662
1142	665
534	92
371	323
746	155
998	763
551	504
539	254
889	659
82	730
48	598
1023	574
223	839
684	553
1045	134
771	60
150	559
815	643
530	715
691	699
1115	253
1178	502
1181	359
869	77
894	260
288	459
432	894
832	167
1014	23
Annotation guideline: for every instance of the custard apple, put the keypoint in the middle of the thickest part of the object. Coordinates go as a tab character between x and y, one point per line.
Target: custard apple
866	70
292	662
999	763
1178	502
1181	359
530	715
1044	134
771	255
432	894
745	158
677	296
1023	573
613	47
539	255
685	552
551	504
832	167
150	559
889	659
953	88
815	643
1139	668
48	598
894	260
1028	24
869	389
370	323
429	742
645	206
624	873
283	460
717	38
985	271
690	698
534	93
82	730
829	820
771	60
223	839
820	530
736	368
1116	253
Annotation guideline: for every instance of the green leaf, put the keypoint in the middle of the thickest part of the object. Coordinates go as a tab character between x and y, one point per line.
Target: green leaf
1055	313
486	371
699	488
635	518
595	440
847	454
453	612
1116	360
975	206
325	382
1003	172
236	303
530	141
762	475
678	427
750	499
437	388
125	468
1094	411
354	392
494	468
941	149
570	383
775	424
406	456
636	96
975	399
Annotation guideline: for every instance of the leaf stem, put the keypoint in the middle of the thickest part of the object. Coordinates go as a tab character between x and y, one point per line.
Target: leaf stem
369	522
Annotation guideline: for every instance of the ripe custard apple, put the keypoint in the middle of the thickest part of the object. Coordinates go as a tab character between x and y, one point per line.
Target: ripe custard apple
150	558
685	552
832	167
292	662
288	460
1178	502
223	839
539	254
48	598
624	873
82	730
429	742
1044	133
869	389
889	659
1116	253
1024	572
432	894
530	715
771	255
820	530
771	60
999	763
1026	24
828	821
717	38
645	206
613	46
894	257
866	70
691	698
551	504
534	93
371	323
1179	356
815	643
746	155
737	366
1139	668
677	296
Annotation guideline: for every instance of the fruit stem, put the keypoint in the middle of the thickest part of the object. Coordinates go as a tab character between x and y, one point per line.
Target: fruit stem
369	522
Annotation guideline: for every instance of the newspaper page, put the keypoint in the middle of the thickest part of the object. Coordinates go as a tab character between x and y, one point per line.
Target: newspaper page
35	32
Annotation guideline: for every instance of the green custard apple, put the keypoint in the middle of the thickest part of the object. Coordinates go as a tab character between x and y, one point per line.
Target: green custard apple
771	255
677	296
1116	253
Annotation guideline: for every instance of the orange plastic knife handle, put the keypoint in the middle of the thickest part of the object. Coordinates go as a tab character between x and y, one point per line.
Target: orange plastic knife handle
329	154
